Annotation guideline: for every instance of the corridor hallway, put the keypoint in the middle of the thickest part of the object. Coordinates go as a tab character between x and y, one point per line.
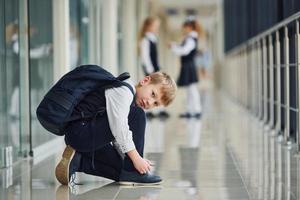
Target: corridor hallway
225	155
246	144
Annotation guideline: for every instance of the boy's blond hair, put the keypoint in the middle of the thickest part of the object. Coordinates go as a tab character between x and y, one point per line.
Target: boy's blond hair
168	86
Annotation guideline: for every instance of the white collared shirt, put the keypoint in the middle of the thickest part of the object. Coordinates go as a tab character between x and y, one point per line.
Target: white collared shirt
145	51
188	46
118	101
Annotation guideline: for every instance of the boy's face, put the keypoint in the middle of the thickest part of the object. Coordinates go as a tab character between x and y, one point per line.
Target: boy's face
148	95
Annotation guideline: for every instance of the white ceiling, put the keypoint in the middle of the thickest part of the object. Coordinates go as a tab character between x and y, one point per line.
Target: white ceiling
205	11
188	3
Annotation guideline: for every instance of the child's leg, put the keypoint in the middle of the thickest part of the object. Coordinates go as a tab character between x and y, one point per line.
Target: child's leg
111	160
88	135
107	163
189	103
137	124
129	175
193	98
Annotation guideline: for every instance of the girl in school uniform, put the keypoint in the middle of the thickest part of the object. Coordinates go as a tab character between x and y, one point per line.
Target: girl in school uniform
149	55
188	77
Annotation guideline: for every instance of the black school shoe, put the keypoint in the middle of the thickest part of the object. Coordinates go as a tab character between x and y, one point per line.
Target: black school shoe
197	115
150	115
189	115
163	114
67	166
135	178
185	115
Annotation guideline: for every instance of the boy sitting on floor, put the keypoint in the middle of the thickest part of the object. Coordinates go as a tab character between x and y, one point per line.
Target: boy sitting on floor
112	145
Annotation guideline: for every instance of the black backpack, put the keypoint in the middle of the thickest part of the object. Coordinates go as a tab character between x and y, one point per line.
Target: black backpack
56	108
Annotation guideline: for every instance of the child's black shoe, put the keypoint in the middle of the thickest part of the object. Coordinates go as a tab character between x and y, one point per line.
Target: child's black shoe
150	115
135	178
163	114
197	115
185	115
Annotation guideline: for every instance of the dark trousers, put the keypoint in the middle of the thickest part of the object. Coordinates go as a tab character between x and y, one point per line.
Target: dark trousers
92	140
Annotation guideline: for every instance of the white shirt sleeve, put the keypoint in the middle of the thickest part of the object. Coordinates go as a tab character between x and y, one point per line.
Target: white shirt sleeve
118	101
35	53
189	45
145	55
39	52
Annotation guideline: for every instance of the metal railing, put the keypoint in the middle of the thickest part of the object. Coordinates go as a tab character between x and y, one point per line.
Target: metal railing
259	75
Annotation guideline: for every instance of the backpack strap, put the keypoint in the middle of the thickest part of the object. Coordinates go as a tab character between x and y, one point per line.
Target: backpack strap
120	80
123	76
121	83
129	87
102	110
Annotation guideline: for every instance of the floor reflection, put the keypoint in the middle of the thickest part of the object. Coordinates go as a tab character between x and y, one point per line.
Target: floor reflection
155	141
228	156
189	157
109	191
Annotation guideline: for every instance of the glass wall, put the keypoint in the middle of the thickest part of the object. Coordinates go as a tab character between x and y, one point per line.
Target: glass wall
9	82
41	69
86	46
79	24
246	19
120	35
40	62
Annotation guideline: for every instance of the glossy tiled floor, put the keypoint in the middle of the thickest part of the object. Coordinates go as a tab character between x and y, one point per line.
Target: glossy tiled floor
225	155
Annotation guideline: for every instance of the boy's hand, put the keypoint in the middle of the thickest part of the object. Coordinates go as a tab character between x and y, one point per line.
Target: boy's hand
150	162
141	165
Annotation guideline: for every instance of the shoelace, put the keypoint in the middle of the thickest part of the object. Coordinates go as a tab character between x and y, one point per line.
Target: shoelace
73	189
72	182
72	186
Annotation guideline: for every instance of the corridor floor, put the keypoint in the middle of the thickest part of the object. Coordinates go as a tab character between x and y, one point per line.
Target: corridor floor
197	158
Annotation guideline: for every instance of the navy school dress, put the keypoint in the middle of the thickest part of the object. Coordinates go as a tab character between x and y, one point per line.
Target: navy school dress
153	56
188	72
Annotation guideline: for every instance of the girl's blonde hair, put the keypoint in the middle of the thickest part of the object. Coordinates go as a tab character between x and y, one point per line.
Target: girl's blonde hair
146	24
168	86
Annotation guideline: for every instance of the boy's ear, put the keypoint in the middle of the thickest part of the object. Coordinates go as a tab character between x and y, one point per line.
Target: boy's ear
146	80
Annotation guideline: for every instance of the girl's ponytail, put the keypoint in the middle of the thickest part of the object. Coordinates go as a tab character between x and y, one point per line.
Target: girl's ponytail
199	29
195	25
147	23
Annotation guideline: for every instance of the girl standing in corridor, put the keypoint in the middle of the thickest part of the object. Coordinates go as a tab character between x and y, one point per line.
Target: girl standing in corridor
149	55
188	77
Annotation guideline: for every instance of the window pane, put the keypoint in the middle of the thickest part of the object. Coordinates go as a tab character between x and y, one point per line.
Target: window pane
40	62
9	79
